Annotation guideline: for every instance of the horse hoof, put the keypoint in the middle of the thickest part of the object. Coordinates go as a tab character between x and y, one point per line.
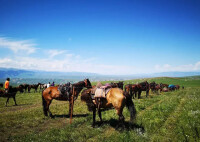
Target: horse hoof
52	116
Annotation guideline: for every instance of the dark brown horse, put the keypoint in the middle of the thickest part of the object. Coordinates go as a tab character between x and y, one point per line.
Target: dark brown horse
11	93
143	86
33	86
1	84
163	86
70	94
132	89
120	85
152	86
116	98
177	87
24	86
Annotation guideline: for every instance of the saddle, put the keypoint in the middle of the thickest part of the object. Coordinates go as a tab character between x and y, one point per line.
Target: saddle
65	89
102	90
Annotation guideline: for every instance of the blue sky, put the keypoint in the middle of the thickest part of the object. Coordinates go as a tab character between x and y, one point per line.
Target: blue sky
100	36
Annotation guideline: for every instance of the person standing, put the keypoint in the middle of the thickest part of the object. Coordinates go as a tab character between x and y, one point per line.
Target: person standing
48	85
7	83
52	84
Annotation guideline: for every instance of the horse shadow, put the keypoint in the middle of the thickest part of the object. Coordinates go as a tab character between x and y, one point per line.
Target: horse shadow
68	116
126	126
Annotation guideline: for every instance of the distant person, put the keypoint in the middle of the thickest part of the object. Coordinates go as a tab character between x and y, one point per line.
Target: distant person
7	85
48	85
52	84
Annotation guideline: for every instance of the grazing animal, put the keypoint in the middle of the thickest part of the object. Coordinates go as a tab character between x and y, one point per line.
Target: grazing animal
116	98
68	94
177	87
22	88
11	93
163	86
157	87
132	89
143	86
152	86
120	85
25	87
42	86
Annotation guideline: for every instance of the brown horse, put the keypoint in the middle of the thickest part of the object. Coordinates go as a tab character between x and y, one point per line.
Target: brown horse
163	86
70	94
11	93
34	86
132	89
152	86
120	85
116	98
177	87
143	86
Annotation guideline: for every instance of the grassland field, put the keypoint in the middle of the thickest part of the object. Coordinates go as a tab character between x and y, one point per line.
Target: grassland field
170	116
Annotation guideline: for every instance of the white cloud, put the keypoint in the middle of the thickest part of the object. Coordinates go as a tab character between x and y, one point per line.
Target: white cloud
16	46
180	68
55	52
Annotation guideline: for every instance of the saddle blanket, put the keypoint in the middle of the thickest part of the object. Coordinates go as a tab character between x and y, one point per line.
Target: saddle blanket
101	93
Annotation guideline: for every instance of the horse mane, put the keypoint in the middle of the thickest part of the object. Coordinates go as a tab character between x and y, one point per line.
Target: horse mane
80	83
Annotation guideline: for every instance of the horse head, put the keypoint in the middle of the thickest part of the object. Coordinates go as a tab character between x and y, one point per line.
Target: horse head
87	83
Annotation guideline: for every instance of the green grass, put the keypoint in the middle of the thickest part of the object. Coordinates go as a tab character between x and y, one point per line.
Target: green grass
171	116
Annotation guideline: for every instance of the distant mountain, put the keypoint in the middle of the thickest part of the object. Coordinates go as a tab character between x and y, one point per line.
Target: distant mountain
174	74
19	73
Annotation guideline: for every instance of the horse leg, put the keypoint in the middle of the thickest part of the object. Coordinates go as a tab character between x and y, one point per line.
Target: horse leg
47	108
121	117
94	116
7	101
139	94
147	93
14	100
99	110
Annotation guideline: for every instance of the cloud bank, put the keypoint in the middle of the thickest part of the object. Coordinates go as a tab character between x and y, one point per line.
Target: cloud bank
65	61
21	45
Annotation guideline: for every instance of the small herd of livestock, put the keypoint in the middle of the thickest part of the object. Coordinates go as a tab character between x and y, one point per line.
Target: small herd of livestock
118	92
133	89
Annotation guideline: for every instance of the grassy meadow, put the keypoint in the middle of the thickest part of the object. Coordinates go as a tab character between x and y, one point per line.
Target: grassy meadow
169	116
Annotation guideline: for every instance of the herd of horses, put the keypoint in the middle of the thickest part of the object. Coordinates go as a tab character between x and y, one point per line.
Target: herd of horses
117	97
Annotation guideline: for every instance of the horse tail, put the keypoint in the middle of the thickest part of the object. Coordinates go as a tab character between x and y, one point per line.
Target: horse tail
130	105
44	104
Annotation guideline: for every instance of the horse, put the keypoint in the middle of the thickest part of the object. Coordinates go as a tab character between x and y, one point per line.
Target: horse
11	93
116	98
42	86
34	86
22	88
177	87
1	84
53	92
120	84
157	87
143	86
163	86
132	89
152	86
